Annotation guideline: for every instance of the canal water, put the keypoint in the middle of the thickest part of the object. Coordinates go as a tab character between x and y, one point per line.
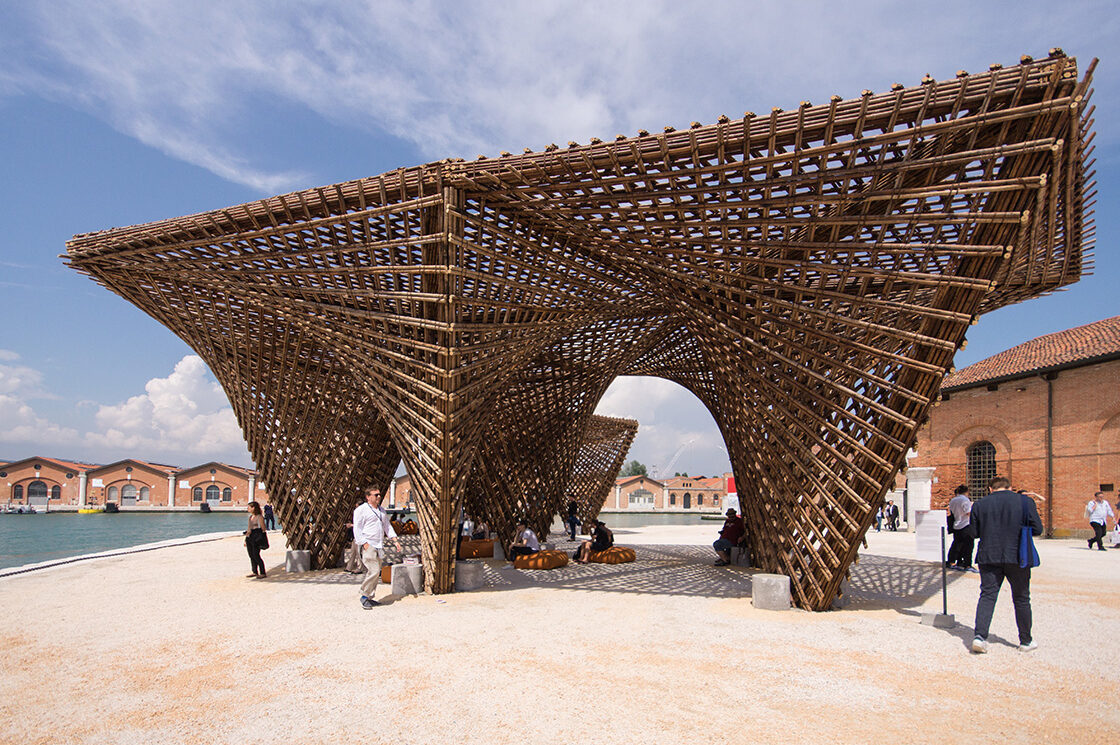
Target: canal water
30	539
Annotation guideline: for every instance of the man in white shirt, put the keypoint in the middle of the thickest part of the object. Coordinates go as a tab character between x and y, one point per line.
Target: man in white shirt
1099	512
960	553
371	527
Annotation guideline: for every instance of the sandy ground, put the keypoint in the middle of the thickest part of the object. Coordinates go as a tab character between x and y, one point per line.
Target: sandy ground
176	645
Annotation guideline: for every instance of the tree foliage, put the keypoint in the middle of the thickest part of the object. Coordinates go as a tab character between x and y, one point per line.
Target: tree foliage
634	468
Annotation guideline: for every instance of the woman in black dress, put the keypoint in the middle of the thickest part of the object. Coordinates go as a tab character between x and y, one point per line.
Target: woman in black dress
601	540
255	540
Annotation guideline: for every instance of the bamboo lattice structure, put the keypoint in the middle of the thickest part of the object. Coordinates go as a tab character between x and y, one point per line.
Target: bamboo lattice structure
808	274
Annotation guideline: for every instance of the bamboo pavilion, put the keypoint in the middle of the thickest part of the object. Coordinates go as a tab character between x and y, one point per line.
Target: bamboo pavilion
808	274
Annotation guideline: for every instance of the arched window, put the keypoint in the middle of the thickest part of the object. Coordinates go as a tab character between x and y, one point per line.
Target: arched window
112	495
672	499
699	500
17	492
56	492
213	493
145	494
981	460
196	494
687	500
227	494
36	493
129	493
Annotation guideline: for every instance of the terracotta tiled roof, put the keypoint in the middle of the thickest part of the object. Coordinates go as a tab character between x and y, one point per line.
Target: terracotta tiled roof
1064	348
620	480
69	465
154	466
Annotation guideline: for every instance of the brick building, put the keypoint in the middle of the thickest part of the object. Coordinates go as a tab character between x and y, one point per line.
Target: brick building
699	494
130	483
42	481
638	493
1045	414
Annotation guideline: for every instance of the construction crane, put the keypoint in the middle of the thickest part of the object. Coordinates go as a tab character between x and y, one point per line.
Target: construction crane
663	472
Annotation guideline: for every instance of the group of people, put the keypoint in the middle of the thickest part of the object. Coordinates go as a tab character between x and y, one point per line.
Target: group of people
526	542
888	513
469	530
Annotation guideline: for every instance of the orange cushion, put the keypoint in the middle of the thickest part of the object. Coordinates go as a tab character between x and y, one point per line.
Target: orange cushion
476	549
541	560
408	528
613	555
387	573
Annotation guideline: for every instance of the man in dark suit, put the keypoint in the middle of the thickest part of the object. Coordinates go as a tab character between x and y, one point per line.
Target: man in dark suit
996	520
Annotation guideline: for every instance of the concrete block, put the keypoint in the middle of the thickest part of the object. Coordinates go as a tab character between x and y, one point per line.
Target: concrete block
499	553
845	598
770	591
549	546
468	575
740	556
297	561
939	620
408	579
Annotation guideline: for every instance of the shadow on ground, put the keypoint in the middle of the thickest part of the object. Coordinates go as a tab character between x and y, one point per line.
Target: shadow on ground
877	582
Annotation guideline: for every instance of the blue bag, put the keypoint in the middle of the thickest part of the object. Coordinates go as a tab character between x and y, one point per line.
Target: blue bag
1028	555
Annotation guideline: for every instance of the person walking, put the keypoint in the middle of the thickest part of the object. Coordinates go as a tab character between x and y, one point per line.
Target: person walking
371	528
1099	511
892	516
997	520
960	509
255	540
573	519
269	517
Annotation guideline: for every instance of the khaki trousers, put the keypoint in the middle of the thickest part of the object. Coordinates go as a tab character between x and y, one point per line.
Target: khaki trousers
372	558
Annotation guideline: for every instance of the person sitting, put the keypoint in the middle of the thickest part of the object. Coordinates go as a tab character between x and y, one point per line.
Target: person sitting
729	537
525	543
481	531
601	539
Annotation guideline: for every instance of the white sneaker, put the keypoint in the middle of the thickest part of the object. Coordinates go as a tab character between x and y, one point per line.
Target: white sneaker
980	646
1030	646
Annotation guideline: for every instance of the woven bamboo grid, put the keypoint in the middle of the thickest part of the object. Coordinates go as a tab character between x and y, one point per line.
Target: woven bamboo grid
808	274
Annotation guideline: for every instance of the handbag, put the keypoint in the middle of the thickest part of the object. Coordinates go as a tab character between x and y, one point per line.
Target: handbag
1028	555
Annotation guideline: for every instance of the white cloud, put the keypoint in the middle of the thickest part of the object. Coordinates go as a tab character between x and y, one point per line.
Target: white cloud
463	79
185	413
24	427
20	380
669	419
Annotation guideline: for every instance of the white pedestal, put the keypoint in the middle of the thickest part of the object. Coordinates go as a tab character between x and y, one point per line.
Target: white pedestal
468	575
407	579
297	561
770	591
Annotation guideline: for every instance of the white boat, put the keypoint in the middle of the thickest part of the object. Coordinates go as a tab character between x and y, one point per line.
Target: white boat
20	509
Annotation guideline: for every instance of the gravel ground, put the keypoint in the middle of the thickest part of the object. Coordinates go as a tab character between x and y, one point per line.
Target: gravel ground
177	646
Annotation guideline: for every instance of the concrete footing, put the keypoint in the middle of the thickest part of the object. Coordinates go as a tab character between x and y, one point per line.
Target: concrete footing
468	575
297	561
770	591
939	620
408	579
740	556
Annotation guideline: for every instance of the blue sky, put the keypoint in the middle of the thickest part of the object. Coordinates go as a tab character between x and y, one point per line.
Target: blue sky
115	113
